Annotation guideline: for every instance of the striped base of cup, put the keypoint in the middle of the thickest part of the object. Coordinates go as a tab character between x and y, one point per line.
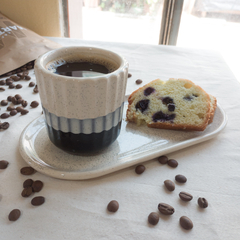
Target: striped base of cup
88	135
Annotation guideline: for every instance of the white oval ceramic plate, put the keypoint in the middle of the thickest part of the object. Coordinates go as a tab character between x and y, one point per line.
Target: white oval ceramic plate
134	145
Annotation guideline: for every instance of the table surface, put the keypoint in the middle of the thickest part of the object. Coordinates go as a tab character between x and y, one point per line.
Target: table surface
77	209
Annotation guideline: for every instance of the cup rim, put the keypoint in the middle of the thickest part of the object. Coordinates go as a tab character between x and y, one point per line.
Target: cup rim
39	63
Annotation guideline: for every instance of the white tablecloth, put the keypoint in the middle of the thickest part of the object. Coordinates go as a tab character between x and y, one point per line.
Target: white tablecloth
77	209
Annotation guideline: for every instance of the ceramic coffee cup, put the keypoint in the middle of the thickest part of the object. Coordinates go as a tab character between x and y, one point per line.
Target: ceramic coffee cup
83	110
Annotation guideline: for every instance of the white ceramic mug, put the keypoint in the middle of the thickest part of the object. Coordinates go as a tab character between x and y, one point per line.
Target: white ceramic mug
83	114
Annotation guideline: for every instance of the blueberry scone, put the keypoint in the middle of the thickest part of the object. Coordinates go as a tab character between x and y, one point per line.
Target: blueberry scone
173	104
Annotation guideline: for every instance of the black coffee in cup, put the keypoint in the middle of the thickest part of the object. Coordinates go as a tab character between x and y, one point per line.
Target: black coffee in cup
82	66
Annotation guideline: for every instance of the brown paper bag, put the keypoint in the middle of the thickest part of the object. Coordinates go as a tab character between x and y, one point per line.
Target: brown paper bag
19	45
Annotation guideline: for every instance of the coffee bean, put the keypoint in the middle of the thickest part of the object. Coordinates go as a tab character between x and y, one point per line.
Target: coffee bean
18	96
129	75
37	186
113	206
185	196
9	98
14	101
172	163
138	81
27	77
15	78
18	86
29	67
25	73
13	112
2	89
169	185
2	82
4	125
34	104
3	164
140	169
26	192
19	101
31	84
27	171
23	68
24	112
27	183
19	74
10	108
165	209
186	223
153	218
14	215
5	115
180	178
37	201
4	102
24	103
163	159
202	202
9	81
11	86
35	90
19	109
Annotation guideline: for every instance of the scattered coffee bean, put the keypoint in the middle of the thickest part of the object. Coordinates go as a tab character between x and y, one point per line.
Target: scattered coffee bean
14	101
202	202
4	102
27	77
31	84
163	159
24	112
169	185
2	82
10	108
2	89
113	206
3	164
140	169
185	196
14	215
186	223
172	163
26	192
35	90
15	78
18	86
165	209
11	86
9	98
37	201
27	183
9	81
138	81
34	104
4	115
27	171
180	178
153	218
19	101
13	112
24	103
37	186
4	125
129	75
19	74
24	69
19	109
18	96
